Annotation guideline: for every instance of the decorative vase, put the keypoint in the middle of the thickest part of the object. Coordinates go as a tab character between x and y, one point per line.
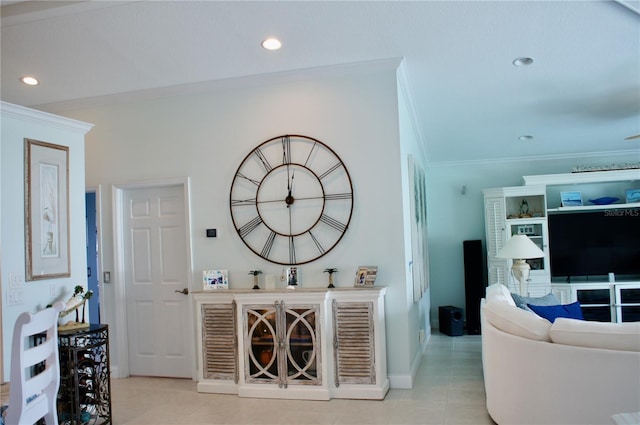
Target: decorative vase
265	356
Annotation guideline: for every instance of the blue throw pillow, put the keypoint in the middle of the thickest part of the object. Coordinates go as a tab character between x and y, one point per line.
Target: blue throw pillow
552	312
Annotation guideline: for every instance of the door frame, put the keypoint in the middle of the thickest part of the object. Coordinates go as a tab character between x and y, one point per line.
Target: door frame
120	307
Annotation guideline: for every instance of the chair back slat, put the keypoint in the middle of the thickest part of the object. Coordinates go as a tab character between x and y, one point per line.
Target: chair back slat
26	382
34	355
32	412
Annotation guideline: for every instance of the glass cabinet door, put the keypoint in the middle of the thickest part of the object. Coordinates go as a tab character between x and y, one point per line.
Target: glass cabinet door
537	232
628	305
283	344
595	303
261	358
302	348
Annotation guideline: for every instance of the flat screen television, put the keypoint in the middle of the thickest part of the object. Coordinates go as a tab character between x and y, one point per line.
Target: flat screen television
590	244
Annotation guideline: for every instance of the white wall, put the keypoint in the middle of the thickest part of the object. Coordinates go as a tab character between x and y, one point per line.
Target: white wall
205	137
17	124
454	217
412	144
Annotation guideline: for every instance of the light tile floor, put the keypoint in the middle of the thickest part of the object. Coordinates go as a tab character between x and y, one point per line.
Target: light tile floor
449	389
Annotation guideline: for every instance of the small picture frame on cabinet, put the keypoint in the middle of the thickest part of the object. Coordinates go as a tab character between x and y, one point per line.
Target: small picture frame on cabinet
366	276
633	196
215	279
571	199
293	277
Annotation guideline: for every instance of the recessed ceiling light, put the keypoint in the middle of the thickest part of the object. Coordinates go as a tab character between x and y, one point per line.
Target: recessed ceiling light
525	138
522	61
29	80
271	44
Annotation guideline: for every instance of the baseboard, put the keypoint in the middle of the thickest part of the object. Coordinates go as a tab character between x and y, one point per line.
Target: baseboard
423	346
115	373
405	382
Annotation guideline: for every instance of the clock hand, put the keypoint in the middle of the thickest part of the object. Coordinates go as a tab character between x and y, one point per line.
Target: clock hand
271	201
288	181
290	226
327	197
293	175
290	199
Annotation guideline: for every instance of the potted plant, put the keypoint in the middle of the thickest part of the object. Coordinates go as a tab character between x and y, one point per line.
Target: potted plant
331	272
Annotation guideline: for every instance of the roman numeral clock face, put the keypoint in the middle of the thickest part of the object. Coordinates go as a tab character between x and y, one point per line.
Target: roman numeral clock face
291	200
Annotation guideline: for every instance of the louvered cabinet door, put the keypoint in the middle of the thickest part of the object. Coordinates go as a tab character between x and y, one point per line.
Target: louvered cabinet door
354	343
498	268
219	341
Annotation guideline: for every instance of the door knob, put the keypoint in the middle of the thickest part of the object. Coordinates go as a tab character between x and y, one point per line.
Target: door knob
185	291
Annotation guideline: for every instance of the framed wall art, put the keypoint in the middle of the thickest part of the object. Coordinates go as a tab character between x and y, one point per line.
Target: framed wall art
571	199
419	249
46	210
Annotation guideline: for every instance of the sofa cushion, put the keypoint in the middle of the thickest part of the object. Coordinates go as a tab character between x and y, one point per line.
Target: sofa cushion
499	292
552	312
521	301
612	336
515	321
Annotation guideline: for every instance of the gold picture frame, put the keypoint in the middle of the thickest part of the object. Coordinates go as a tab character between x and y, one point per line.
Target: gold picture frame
46	210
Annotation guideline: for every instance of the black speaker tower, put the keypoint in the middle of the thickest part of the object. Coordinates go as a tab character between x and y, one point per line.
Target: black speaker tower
474	283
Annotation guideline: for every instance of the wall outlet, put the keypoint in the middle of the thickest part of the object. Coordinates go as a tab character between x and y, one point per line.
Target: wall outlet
14	280
421	336
15	296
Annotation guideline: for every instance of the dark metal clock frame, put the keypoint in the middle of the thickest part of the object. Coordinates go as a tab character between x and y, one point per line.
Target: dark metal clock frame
291	200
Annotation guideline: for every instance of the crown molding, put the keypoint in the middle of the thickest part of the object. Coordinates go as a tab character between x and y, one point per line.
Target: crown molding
405	89
44	118
534	158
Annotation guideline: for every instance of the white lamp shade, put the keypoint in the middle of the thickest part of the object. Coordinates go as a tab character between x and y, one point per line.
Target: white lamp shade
520	247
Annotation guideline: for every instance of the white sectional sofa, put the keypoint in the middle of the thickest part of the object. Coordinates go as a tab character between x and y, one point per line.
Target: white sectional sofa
568	372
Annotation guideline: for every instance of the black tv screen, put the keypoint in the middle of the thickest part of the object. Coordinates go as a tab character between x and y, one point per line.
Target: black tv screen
584	244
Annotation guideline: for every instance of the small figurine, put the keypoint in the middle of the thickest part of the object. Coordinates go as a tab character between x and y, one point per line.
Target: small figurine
255	274
76	301
331	272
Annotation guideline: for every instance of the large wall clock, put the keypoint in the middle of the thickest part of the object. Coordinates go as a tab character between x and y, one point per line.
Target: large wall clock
291	199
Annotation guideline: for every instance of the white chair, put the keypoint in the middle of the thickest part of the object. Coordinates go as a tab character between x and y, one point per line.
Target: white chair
32	397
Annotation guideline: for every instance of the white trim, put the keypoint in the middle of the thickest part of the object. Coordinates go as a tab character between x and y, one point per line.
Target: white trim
406	91
400	382
21	12
627	4
122	356
585	177
120	325
44	118
601	155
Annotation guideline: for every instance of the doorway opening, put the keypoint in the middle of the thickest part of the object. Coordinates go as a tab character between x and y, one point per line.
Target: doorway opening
93	282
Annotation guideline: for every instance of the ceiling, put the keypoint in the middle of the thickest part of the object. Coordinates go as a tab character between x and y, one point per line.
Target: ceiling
581	96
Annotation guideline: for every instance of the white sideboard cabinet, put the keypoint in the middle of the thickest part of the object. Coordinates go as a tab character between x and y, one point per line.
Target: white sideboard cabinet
313	344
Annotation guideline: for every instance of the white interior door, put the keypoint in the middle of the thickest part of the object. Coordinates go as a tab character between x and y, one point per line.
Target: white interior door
156	270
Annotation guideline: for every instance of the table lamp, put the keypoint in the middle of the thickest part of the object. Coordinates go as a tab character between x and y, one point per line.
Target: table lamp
520	248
